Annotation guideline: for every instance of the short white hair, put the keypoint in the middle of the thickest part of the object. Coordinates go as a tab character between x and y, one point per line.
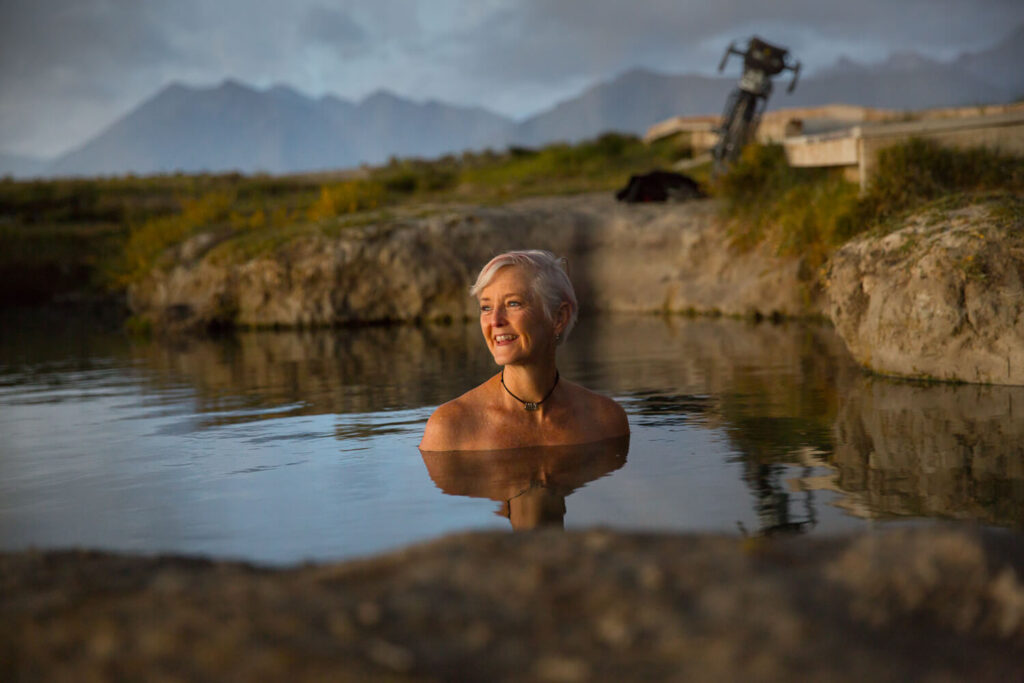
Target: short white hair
550	282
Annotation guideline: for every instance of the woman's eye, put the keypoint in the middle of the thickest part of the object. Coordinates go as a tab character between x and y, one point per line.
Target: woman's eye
485	309
514	303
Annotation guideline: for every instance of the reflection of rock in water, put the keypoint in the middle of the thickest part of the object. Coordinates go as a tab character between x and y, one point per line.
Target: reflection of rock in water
341	371
936	450
767	373
778	370
773	389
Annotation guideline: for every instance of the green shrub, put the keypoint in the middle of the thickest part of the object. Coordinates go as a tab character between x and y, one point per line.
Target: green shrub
603	163
809	211
796	209
416	176
911	174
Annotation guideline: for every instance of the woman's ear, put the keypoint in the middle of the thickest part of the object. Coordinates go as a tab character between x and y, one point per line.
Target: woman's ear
562	316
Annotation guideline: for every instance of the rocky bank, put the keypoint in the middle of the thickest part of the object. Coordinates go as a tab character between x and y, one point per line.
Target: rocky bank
939	299
651	257
942	298
926	604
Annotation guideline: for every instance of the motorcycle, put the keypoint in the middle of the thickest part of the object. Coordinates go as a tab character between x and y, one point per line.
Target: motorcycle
747	102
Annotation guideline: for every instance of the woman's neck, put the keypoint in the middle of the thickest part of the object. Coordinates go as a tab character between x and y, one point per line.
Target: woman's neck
530	382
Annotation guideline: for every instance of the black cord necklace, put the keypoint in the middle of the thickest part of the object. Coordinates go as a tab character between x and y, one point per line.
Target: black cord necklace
529	405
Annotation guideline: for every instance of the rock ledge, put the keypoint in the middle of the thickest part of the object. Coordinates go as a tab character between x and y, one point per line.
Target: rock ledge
941	298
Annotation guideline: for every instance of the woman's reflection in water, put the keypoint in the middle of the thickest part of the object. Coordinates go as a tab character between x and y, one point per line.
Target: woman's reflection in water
530	483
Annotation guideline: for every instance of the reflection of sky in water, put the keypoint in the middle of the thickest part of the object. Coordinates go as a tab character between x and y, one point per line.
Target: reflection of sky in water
135	453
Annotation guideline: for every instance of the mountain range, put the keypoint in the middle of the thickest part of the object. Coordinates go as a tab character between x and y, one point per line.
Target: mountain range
233	126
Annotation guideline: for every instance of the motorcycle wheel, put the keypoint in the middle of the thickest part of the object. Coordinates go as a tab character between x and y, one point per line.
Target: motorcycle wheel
738	133
733	132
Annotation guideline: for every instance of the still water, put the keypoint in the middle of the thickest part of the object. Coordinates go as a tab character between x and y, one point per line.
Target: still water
280	447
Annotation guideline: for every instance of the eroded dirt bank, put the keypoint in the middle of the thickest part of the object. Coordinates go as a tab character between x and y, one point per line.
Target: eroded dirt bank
927	604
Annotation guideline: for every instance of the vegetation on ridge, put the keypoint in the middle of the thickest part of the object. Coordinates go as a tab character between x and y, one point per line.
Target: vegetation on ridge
104	233
812	211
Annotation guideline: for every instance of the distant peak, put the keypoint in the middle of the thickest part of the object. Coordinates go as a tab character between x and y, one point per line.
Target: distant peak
637	72
334	99
283	89
382	95
286	93
174	89
843	65
232	84
906	59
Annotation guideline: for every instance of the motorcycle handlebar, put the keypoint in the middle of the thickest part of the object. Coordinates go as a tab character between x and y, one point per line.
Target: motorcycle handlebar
796	75
731	50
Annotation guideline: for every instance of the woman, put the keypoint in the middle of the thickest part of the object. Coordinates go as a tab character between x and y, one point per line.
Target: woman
527	307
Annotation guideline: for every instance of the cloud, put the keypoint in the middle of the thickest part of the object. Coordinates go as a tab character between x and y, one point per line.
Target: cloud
83	37
334	29
69	67
536	41
64	63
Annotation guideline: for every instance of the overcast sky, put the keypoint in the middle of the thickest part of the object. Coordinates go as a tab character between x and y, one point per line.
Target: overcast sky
69	68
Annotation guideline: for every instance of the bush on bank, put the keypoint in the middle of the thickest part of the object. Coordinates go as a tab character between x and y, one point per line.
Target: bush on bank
812	211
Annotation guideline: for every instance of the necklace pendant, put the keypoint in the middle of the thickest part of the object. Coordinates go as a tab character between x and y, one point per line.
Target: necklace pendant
530	405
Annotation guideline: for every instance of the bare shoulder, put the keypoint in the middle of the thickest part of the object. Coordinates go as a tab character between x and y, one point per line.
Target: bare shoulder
454	423
446	427
606	417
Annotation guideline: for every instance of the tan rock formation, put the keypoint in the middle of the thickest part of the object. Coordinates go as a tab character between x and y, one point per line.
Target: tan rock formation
673	257
940	299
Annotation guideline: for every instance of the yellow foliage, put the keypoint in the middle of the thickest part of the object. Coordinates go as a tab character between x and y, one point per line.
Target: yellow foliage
210	207
252	221
345	197
279	216
148	241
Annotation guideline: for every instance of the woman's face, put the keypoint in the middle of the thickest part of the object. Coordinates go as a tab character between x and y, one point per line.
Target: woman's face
513	320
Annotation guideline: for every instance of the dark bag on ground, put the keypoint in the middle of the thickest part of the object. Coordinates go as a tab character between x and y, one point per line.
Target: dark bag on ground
659	186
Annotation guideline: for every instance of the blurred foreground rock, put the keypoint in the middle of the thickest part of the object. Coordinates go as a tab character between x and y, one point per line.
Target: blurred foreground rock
942	298
933	604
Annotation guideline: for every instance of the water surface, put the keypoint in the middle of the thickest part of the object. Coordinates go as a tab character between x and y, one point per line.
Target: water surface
286	446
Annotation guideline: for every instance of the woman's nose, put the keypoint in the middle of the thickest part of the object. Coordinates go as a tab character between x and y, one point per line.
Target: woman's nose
499	315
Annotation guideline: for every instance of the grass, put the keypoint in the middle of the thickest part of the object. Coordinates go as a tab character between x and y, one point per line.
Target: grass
95	235
810	212
797	210
102	234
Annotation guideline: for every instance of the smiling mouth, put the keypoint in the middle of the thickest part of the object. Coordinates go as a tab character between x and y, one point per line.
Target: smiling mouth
501	338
